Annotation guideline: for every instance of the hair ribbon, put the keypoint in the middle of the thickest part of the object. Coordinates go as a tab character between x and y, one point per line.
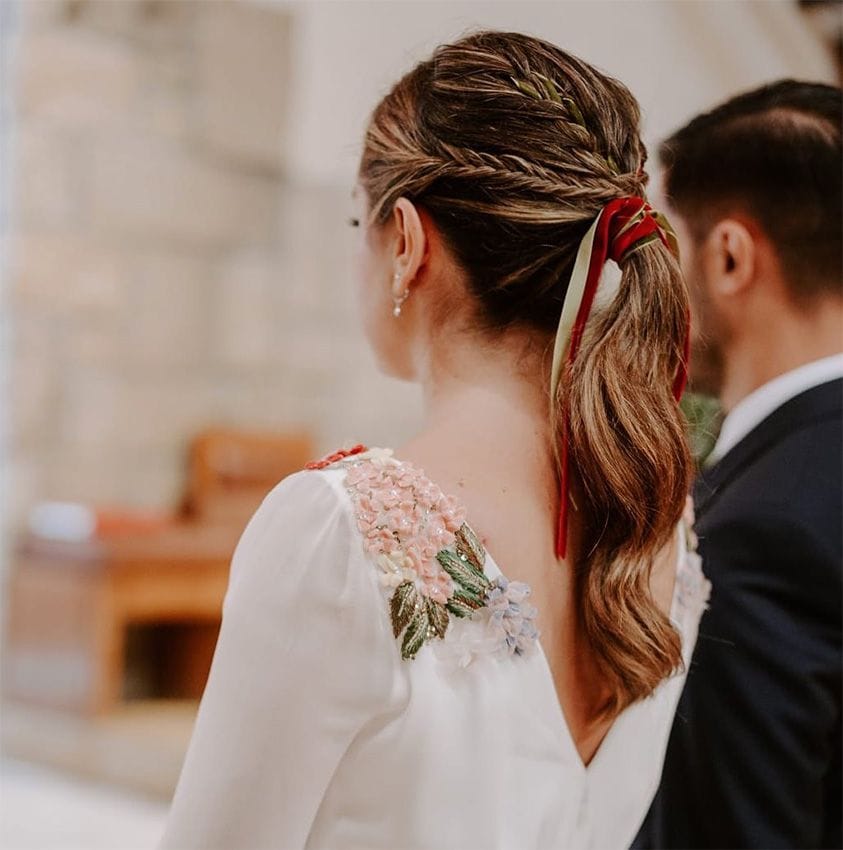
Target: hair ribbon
623	225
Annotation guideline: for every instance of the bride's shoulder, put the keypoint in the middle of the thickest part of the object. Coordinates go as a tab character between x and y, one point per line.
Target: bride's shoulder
327	489
429	563
390	498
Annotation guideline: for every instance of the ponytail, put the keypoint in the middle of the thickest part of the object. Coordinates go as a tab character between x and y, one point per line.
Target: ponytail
631	467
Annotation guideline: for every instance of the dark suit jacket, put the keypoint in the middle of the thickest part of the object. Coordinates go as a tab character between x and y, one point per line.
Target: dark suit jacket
754	758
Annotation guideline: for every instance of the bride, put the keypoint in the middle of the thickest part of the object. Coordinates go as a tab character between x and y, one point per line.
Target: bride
476	639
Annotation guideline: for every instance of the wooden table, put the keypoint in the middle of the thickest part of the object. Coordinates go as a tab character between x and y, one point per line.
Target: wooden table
69	608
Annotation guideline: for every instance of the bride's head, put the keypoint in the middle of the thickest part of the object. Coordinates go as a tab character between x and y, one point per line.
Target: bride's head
482	169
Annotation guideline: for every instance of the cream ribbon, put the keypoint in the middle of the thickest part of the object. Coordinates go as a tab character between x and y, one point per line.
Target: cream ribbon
571	304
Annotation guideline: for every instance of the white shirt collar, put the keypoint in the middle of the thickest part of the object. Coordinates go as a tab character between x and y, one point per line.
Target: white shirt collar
759	404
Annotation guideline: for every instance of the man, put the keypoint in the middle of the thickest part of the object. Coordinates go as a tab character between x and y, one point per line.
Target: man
754	758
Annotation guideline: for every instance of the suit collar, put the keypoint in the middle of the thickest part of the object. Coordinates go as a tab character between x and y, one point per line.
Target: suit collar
821	402
755	407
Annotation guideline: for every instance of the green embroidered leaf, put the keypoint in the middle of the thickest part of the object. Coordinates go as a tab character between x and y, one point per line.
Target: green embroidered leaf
437	614
416	633
458	609
653	237
468	577
470	546
574	110
527	88
466	597
549	87
670	234
461	605
403	605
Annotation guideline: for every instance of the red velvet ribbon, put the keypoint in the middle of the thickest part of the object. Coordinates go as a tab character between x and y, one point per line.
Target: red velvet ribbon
623	224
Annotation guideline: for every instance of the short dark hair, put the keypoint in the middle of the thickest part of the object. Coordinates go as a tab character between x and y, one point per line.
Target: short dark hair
773	153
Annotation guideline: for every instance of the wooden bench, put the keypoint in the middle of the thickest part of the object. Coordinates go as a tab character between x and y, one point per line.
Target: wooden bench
71	606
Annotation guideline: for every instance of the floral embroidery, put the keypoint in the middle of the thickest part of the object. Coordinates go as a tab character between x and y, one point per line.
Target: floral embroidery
512	616
688	519
431	562
504	626
693	589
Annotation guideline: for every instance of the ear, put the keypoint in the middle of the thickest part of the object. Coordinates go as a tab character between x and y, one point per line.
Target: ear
411	244
731	258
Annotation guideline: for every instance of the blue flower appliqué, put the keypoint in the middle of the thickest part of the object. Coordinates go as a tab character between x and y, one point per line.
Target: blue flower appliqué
511	616
503	627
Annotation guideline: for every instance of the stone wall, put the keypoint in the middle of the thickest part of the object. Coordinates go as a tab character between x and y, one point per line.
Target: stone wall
165	272
178	254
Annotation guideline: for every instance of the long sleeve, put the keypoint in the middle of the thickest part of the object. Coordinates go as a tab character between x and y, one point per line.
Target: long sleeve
303	661
758	725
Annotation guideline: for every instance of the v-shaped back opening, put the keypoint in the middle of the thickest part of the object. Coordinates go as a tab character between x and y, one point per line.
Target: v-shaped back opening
550	680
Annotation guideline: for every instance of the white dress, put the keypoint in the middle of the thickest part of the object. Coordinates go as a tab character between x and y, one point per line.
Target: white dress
321	729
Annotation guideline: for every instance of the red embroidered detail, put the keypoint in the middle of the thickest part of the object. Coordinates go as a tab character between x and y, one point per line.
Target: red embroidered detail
339	454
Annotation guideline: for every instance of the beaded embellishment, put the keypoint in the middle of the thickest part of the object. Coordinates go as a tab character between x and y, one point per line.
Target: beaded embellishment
431	562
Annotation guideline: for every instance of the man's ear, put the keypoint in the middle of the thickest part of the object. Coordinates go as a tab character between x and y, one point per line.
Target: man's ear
411	244
730	257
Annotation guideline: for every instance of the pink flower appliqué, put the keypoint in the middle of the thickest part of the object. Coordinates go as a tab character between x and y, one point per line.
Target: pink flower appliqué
405	520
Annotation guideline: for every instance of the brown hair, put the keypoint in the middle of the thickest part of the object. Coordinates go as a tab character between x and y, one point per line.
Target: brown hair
778	151
513	146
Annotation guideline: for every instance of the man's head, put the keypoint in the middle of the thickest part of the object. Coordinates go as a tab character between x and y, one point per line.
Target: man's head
755	187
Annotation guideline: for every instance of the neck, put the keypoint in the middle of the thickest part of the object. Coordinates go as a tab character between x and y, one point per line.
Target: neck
465	388
782	343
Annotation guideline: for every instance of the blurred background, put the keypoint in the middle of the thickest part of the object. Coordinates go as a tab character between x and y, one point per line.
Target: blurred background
178	328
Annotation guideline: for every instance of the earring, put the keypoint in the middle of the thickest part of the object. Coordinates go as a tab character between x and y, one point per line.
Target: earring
398	301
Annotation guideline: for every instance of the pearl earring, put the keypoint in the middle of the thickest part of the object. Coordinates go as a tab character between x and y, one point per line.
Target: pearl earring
399	300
